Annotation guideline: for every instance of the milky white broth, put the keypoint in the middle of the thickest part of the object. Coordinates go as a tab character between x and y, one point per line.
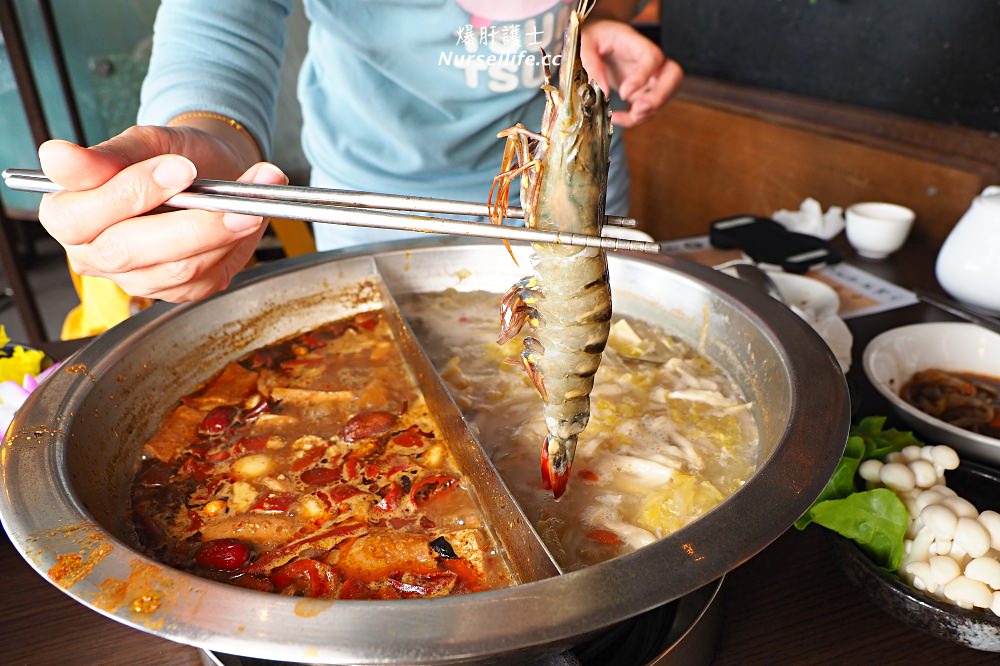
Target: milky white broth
670	436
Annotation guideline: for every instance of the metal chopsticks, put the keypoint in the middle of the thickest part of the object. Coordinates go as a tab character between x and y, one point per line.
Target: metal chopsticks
353	208
958	310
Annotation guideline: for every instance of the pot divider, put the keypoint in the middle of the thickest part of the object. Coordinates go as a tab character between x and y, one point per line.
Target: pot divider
525	552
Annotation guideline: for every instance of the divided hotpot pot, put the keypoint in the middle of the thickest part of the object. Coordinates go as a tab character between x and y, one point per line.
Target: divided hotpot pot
69	456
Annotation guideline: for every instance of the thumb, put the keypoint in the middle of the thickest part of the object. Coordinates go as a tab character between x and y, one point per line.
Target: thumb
77	168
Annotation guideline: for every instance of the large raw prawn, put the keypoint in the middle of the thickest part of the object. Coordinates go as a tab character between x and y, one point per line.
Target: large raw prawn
564	172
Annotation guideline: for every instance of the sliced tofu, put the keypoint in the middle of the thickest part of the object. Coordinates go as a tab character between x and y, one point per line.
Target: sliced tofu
266	531
242	496
253	466
307	398
234	385
467	546
179	429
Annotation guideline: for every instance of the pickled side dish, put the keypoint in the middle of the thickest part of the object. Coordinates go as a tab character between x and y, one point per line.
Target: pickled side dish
966	400
313	467
670	437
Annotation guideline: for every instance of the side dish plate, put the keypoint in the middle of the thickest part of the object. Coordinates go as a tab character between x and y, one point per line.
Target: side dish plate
891	359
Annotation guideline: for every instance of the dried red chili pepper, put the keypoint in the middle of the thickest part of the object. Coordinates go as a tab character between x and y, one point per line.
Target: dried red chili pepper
306	577
607	537
249	444
320	476
367	424
223	554
310	457
274	503
218	421
351	469
430	488
366	320
390	502
422	586
343	492
412	437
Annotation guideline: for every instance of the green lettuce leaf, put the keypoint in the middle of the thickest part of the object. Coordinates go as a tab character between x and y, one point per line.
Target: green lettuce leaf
876	520
879	442
840	485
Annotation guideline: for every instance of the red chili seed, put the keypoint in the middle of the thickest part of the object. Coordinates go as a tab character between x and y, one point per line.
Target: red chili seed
320	476
367	424
217	421
223	554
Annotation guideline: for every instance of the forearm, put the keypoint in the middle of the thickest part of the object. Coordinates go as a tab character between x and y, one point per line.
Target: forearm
616	10
219	57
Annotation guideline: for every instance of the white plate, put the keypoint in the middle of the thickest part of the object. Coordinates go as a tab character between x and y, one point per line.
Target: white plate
892	357
817	299
818	304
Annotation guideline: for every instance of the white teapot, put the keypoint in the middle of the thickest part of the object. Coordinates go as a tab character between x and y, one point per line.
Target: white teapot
968	266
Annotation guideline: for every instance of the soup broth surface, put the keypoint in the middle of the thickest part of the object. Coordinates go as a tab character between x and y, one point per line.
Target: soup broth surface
669	438
314	467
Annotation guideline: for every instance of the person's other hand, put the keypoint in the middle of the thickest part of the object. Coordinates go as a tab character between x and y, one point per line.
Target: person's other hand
619	58
174	256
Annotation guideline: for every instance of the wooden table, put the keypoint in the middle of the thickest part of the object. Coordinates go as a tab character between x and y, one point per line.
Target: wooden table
788	605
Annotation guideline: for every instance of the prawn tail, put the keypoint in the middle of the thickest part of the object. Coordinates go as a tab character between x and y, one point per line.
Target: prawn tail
557	461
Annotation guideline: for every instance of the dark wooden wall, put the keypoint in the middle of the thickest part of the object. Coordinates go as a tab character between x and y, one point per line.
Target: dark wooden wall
938	60
721	149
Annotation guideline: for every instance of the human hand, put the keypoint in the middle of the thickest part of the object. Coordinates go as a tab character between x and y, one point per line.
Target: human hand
618	57
176	256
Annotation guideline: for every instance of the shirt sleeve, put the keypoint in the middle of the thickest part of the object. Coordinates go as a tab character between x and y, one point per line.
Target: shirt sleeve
222	57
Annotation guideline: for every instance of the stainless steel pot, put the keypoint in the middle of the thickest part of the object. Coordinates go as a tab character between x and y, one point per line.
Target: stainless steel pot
68	459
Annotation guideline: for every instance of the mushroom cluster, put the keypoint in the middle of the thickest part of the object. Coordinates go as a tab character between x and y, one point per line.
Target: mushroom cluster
952	550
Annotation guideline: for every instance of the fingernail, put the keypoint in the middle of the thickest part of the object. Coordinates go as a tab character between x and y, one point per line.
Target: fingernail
640	107
267	173
174	172
57	142
236	222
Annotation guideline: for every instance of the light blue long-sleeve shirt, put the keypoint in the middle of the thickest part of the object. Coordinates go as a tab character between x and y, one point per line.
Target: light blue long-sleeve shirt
398	96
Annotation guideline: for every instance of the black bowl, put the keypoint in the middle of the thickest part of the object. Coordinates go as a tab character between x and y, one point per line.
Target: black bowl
977	628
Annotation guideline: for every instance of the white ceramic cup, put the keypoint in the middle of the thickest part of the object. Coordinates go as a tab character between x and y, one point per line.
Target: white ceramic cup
876	229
